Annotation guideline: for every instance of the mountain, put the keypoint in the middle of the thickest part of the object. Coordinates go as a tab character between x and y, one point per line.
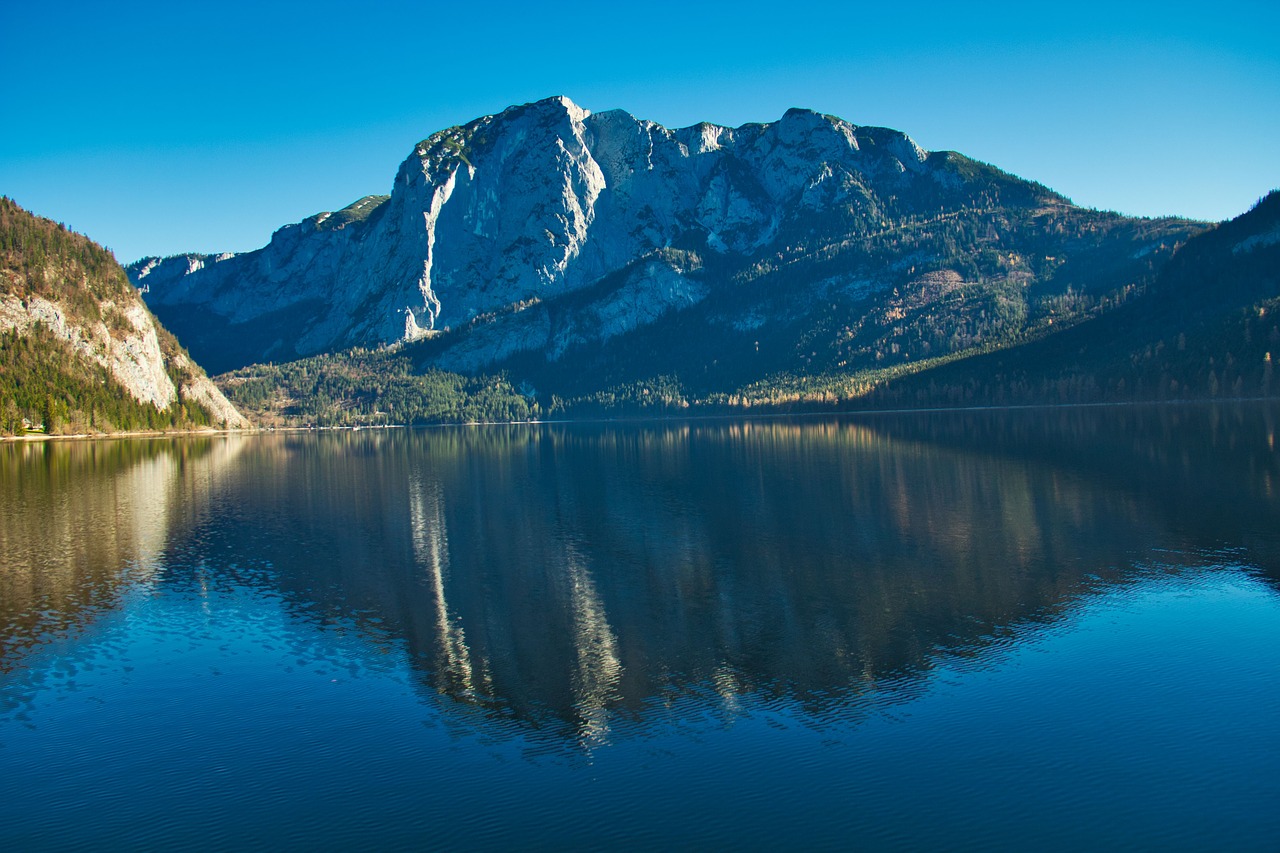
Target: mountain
1205	326
79	351
582	252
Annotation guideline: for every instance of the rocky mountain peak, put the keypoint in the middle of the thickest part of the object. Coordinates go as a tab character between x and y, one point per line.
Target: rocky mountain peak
547	199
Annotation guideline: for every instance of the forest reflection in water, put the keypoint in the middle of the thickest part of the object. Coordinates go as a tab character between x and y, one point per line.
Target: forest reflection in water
554	581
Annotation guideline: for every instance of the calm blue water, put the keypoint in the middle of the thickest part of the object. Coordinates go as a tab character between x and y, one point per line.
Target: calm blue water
1034	630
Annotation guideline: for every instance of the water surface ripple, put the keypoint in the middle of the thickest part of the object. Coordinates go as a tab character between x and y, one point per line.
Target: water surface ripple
982	630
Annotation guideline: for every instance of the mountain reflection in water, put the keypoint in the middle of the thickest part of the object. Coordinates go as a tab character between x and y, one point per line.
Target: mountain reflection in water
553	580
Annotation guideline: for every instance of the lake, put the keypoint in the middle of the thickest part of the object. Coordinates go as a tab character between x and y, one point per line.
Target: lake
1006	630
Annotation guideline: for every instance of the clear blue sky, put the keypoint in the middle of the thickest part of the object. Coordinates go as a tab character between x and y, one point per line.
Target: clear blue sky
157	128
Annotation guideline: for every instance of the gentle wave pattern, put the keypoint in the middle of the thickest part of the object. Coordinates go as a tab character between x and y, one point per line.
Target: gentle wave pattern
1047	630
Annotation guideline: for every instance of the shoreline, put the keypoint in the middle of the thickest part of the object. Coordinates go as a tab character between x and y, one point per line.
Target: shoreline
96	436
629	419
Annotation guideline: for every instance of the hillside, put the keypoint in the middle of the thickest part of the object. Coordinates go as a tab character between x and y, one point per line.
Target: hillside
1208	326
79	351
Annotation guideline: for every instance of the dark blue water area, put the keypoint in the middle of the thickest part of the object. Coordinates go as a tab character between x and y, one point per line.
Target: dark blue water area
953	632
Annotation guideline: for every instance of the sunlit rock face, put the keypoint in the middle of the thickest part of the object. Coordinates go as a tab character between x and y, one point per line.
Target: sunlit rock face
132	353
510	214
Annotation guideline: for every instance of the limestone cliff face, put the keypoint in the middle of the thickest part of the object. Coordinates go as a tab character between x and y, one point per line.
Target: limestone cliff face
69	288
520	209
132	354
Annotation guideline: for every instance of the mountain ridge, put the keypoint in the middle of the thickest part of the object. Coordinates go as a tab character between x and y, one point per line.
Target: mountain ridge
545	199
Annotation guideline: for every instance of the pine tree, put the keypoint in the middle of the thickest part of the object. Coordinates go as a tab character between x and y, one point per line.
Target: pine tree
49	415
